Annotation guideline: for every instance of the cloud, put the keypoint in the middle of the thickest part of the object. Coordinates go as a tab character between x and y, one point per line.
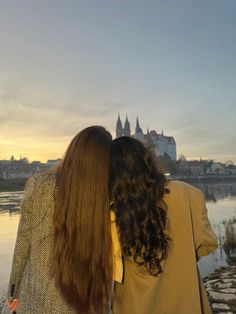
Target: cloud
26	114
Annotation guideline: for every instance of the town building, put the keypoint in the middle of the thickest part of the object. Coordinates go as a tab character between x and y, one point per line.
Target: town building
21	169
191	168
53	162
17	169
161	144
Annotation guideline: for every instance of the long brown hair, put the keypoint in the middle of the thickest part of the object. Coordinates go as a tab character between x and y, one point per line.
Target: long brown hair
81	262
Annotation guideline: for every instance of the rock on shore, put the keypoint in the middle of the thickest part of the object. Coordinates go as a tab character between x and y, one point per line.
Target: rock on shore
221	290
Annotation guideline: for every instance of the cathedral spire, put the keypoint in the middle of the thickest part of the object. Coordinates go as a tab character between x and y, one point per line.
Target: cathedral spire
127	131
119	127
138	129
118	123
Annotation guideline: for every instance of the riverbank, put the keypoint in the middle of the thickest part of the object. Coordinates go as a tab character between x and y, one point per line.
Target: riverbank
19	184
206	179
12	185
221	290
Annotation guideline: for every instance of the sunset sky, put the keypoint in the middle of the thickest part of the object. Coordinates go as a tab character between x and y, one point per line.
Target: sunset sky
68	64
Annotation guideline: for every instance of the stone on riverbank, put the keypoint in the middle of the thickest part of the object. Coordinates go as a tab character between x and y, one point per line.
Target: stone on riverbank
221	296
220	306
221	290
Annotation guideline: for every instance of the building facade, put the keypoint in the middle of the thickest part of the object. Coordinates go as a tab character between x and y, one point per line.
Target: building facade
162	145
21	169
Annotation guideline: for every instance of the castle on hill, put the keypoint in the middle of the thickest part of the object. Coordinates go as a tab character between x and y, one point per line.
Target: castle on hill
161	144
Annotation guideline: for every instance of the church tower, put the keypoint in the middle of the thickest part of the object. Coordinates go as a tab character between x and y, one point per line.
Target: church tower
139	132
119	128
127	131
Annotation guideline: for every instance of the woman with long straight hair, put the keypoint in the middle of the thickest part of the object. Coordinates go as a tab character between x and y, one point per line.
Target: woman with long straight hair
162	226
67	250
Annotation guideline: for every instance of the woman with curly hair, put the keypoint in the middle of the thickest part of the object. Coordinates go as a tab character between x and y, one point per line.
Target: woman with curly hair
162	225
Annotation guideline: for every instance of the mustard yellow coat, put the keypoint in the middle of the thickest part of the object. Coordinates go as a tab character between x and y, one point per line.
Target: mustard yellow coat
176	290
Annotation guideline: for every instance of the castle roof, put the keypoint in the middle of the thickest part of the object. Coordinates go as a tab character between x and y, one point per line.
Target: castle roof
153	133
170	139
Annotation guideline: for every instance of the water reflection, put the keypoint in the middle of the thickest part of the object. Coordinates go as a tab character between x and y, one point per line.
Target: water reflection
9	219
221	204
229	244
217	191
10	202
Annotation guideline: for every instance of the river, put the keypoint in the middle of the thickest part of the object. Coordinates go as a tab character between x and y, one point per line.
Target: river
221	204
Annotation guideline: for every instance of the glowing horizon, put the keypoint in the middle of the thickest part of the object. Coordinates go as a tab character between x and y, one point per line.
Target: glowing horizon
41	151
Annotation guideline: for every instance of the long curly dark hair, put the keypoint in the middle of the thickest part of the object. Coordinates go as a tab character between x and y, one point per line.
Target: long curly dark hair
137	188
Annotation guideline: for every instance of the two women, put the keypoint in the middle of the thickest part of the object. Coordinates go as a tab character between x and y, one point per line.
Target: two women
67	251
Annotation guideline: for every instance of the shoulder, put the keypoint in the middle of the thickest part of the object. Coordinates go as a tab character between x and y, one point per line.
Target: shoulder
40	182
43	178
180	187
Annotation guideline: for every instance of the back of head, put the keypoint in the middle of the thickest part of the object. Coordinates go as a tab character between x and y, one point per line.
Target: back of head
136	189
82	240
